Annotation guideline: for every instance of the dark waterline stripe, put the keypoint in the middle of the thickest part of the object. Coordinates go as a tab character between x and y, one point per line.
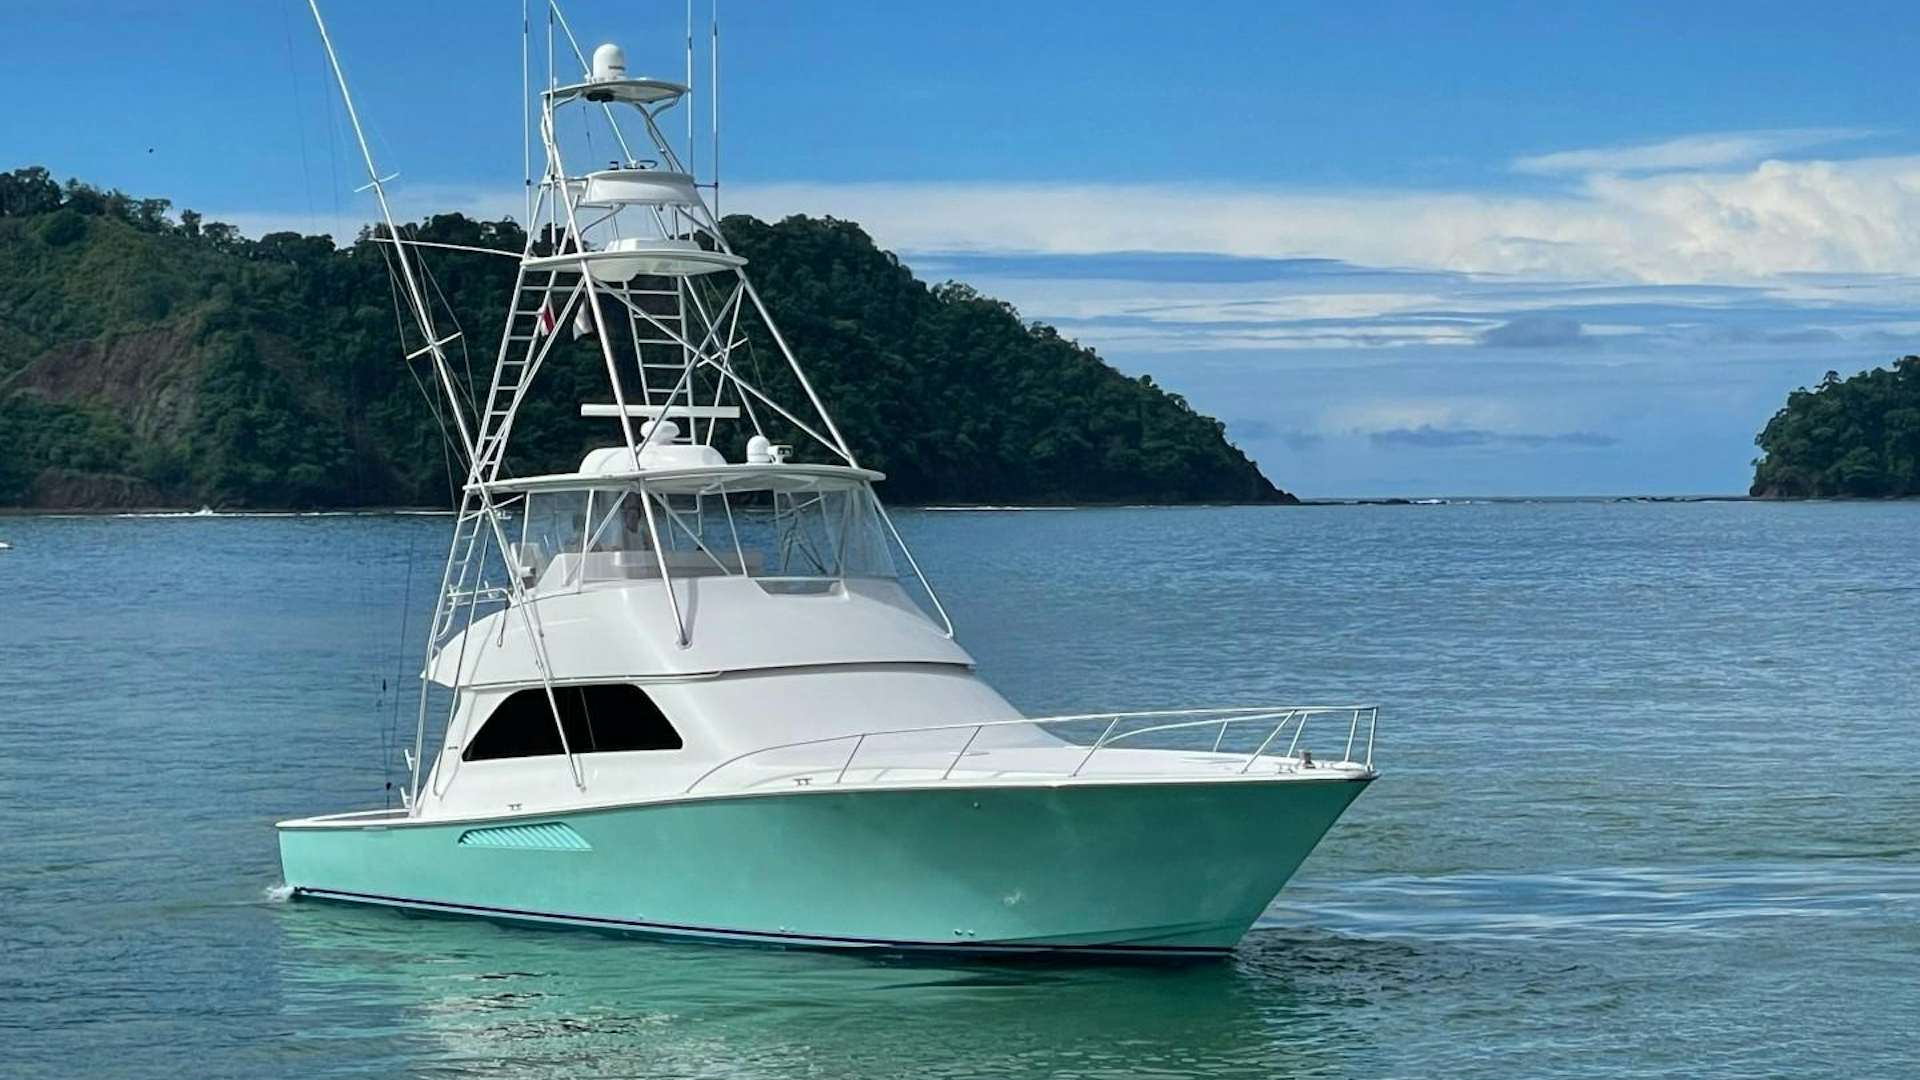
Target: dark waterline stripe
764	935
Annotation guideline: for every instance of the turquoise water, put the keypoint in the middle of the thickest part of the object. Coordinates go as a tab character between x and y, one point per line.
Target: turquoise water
1649	807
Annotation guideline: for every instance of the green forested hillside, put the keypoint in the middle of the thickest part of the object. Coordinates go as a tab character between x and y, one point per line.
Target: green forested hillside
1858	436
146	360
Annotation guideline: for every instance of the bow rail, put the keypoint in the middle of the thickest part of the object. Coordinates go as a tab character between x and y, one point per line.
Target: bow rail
1173	744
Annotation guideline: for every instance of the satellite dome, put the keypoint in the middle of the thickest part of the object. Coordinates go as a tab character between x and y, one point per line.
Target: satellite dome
609	63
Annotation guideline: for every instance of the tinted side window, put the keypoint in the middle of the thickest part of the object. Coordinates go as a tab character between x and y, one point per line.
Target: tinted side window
598	719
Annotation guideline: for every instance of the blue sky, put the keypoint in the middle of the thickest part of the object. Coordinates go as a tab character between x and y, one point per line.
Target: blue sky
1399	248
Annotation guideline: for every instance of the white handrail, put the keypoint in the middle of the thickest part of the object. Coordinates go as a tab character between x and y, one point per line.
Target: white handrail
1092	750
848	764
1283	714
1297	715
1268	741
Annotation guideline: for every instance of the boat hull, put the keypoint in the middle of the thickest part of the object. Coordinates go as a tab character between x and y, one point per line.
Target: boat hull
1157	868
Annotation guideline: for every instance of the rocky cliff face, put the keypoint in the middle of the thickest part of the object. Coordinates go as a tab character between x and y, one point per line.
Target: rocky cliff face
144	375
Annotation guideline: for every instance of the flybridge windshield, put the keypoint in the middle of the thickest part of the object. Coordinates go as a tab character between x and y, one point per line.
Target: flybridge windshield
787	539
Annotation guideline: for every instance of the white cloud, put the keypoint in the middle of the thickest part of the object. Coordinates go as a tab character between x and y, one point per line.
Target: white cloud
1851	217
1777	218
1389	414
1176	337
1707	151
1813	245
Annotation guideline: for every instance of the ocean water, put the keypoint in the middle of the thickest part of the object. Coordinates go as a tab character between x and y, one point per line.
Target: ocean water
1650	807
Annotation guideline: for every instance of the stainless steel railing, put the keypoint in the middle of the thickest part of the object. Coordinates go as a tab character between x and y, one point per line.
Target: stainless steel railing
1183	730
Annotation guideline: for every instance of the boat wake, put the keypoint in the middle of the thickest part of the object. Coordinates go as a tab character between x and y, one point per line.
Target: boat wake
208	512
277	894
991	509
1601	901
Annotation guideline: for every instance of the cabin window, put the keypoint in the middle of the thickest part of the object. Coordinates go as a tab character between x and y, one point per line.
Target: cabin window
598	719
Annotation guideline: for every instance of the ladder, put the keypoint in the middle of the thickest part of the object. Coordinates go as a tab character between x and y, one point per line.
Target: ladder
524	344
661	350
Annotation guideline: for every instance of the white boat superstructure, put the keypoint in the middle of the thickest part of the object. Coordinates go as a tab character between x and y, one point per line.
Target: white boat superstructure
698	684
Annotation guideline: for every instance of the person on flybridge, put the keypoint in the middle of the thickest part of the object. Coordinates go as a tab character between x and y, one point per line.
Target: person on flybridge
633	530
630	536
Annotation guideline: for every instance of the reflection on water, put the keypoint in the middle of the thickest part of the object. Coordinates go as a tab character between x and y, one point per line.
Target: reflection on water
475	996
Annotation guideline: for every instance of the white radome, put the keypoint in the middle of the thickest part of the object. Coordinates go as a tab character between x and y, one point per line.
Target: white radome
609	63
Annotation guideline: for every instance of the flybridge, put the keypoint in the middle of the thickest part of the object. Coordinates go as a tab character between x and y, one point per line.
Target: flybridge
716	419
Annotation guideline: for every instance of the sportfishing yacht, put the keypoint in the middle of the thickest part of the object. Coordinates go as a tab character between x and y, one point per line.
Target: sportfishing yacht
698	686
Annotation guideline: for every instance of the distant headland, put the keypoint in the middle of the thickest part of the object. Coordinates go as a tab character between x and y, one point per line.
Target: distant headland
1856	437
154	360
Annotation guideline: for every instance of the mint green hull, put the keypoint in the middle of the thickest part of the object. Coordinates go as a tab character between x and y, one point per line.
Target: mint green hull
1177	867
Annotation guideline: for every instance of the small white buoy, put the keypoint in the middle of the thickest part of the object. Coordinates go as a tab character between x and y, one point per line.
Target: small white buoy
4	546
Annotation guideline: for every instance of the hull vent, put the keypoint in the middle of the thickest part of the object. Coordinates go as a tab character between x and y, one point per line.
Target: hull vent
550	836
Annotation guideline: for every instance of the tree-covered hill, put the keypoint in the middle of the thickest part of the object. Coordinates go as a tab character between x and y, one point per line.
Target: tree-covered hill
1858	436
149	360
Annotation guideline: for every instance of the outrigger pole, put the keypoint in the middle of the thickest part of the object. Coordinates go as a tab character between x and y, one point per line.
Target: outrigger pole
436	348
416	300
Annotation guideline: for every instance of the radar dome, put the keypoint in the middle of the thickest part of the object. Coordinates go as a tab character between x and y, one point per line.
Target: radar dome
609	62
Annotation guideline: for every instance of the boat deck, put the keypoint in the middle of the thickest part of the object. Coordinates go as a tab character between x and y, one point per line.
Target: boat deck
1063	764
1184	746
1196	746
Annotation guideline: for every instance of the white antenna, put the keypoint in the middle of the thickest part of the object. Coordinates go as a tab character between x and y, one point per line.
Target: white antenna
546	166
526	121
690	87
713	105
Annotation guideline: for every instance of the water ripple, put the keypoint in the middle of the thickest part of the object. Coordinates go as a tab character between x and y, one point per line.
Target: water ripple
1647	808
1604	901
